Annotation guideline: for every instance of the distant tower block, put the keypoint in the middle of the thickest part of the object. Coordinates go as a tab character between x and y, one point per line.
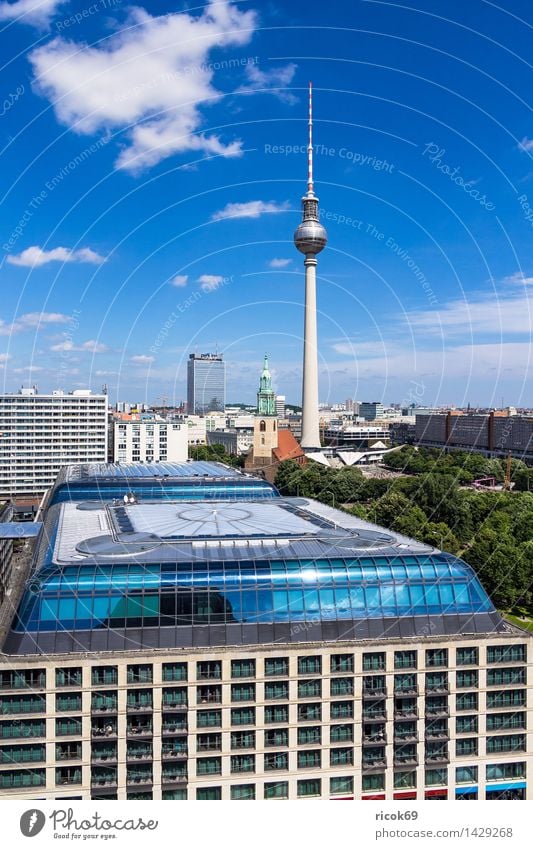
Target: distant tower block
310	238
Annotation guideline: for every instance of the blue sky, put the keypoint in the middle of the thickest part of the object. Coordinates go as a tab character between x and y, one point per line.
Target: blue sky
152	170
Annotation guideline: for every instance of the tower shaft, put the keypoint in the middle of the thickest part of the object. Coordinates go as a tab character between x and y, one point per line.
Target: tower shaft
310	422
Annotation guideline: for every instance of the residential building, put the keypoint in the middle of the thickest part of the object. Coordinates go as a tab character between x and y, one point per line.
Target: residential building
150	441
40	433
6	550
206	383
306	654
494	434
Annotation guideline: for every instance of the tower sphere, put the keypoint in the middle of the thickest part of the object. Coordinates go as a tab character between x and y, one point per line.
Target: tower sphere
310	237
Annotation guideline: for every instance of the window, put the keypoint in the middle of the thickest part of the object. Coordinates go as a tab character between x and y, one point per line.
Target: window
174	672
309	759
437	657
506	698
69	727
497	772
466	775
499	677
243	739
341	663
243	791
23	754
277	790
212	693
209	718
309	665
404	779
341	733
507	743
277	760
467	656
466	724
208	742
208	794
341	757
243	692
373	660
276	666
278	737
373	782
341	784
69	677
243	716
211	669
309	787
208	766
405	684
309	734
104	675
341	710
140	673
374	685
309	712
341	687
280	713
70	702
506	654
405	659
373	756
243	669
242	763
466	746
172	696
436	682
502	721
466	678
436	776
309	689
466	701
276	690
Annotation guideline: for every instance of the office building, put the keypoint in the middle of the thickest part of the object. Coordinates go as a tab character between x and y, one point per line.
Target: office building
280	406
206	384
371	410
40	433
150	441
306	654
493	434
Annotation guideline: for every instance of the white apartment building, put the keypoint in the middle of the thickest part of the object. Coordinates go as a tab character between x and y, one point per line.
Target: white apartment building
149	441
40	433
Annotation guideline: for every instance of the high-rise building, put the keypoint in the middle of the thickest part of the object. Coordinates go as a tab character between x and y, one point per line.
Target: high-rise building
41	433
280	406
203	638
371	410
206	384
310	238
150	441
6	550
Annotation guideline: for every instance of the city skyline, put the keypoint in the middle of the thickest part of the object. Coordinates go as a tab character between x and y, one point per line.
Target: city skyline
120	255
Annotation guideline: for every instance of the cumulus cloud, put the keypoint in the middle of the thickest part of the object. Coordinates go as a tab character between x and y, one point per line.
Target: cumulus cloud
250	209
142	359
518	279
31	321
36	12
526	144
30	368
484	314
279	263
90	345
179	280
148	80
210	282
274	80
35	256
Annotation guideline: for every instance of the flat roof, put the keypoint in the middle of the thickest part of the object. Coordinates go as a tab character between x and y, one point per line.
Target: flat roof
187	469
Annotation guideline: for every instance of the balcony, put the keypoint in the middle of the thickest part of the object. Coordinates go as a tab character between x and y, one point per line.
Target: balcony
104	755
437	710
406	713
206	695
375	692
104	730
176	754
140	706
177	727
405	737
139	729
436	734
171	777
405	760
379	763
139	777
437	757
68	777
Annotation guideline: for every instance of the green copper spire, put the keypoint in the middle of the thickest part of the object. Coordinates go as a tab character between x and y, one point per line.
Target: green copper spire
266	397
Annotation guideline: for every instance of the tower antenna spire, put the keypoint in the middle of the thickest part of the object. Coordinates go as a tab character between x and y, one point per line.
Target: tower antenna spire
310	145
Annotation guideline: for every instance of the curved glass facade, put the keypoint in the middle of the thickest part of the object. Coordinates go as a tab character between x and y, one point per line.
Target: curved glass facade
112	596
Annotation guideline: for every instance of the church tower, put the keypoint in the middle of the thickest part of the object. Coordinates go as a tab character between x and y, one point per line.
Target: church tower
265	423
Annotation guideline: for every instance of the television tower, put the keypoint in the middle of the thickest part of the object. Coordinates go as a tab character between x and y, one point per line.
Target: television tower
310	238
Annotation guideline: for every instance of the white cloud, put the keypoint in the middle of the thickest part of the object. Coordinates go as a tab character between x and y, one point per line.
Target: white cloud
24	369
179	280
279	263
250	209
35	256
210	282
4	358
149	80
142	359
526	144
518	279
37	12
486	314
91	345
32	320
275	80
